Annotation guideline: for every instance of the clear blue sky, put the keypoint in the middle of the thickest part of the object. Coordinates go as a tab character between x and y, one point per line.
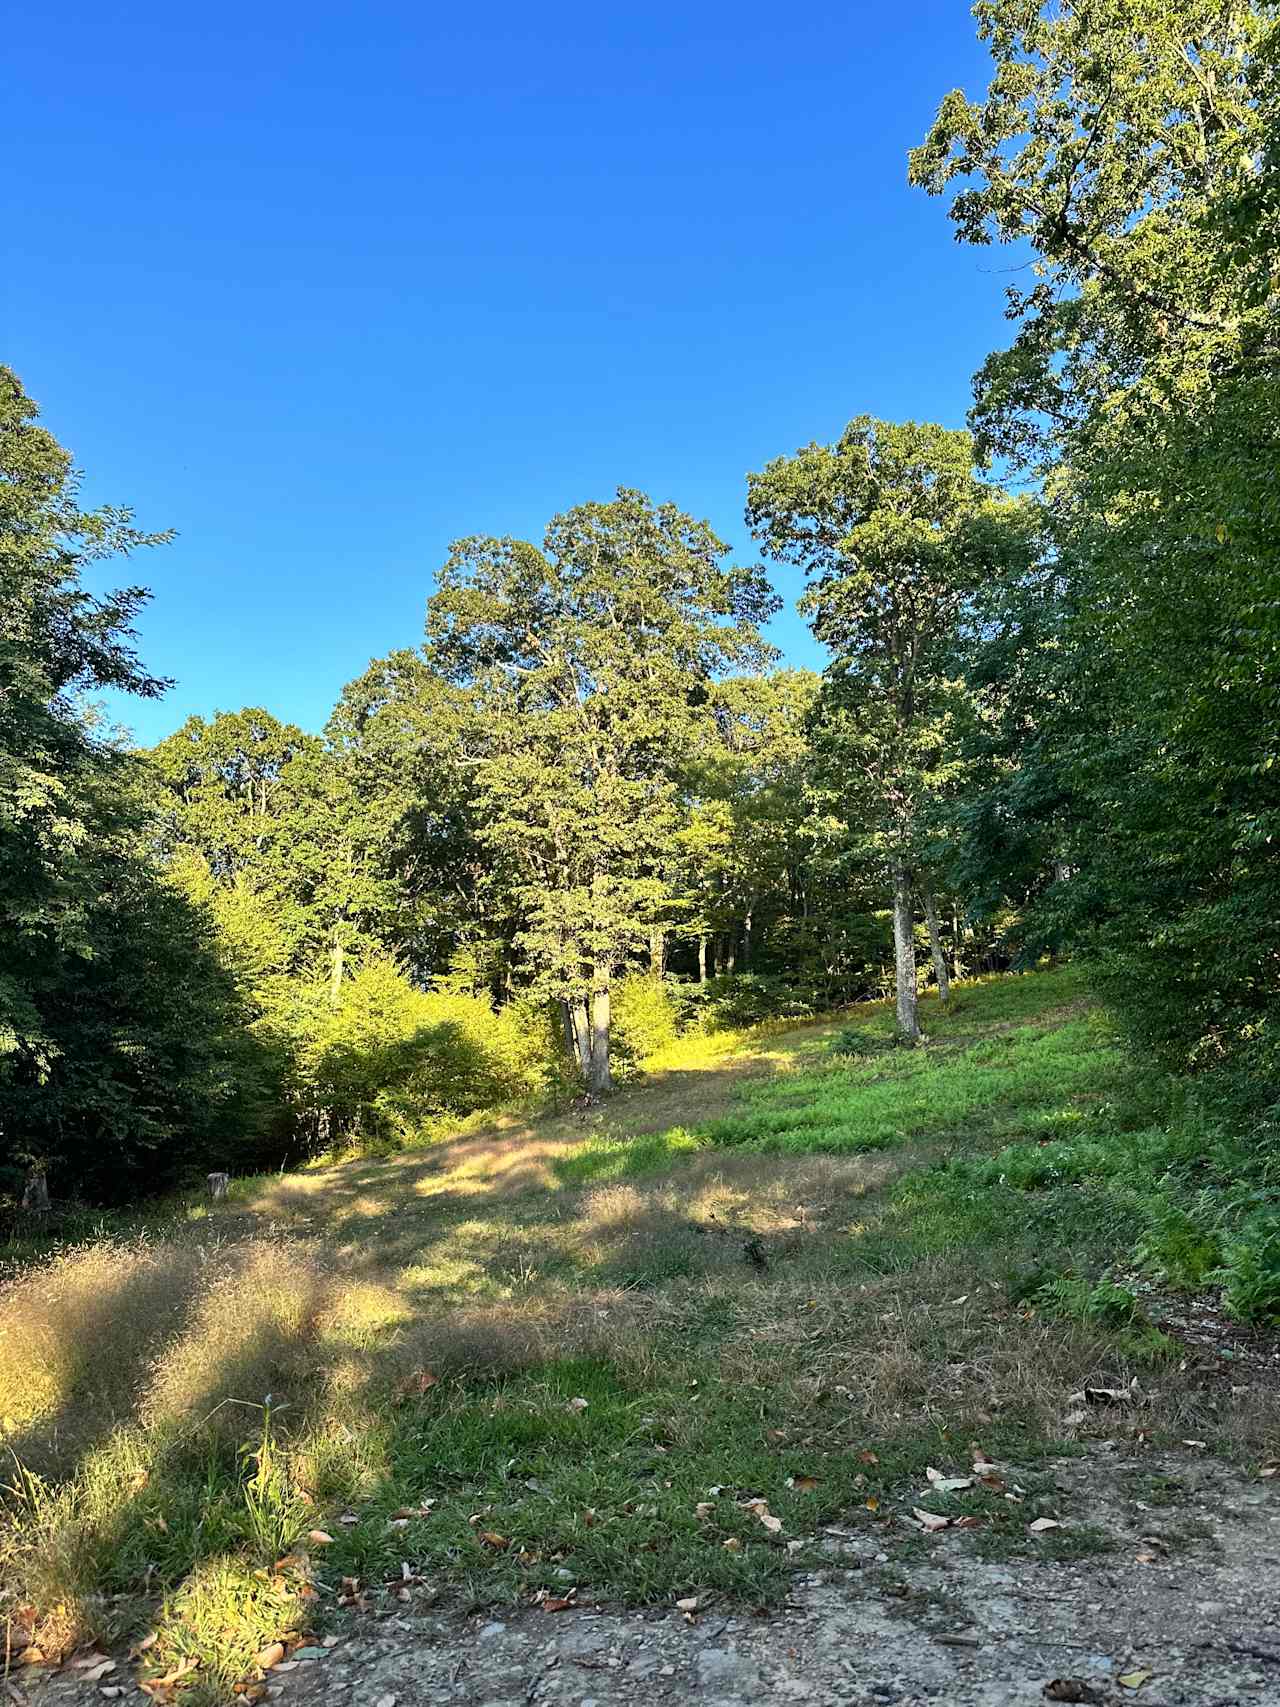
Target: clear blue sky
323	286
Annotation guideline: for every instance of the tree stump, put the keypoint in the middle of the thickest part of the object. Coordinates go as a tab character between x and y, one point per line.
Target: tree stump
35	1194
218	1184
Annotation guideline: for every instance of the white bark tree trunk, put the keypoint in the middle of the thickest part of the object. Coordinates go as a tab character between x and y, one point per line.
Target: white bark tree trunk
935	946
904	954
581	1037
600	1077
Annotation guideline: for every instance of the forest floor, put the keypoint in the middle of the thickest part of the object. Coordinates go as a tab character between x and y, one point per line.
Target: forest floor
805	1369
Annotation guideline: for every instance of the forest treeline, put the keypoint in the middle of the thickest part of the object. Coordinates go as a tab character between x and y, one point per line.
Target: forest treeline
592	805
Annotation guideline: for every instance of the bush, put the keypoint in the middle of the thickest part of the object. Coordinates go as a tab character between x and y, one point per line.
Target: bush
745	998
644	1019
390	1057
1250	1272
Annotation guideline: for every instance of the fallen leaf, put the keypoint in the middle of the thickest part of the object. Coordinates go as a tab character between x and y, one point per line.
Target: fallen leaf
732	1545
703	1509
1110	1396
759	1509
1072	1689
576	1405
558	1603
419	1382
269	1656
873	1504
1201	1444
867	1458
802	1484
1270	1468
319	1538
1133	1679
98	1671
491	1538
930	1521
1043	1523
688	1605
948	1484
180	1670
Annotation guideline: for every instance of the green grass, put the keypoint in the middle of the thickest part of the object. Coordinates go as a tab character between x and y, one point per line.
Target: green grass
538	1358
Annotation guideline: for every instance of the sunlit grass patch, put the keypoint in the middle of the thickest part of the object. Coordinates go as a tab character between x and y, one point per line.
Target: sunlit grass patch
959	1095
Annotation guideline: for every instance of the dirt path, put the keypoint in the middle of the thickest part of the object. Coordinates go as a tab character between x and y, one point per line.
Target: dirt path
1184	1608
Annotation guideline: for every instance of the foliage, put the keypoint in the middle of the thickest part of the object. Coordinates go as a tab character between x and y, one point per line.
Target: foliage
123	1059
584	669
387	1058
1135	689
897	533
644	1018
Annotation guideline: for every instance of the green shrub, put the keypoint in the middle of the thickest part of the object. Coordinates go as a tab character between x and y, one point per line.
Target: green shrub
390	1057
1250	1271
858	1040
644	1019
745	998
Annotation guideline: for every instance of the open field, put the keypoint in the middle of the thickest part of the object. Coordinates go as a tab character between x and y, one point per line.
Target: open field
575	1353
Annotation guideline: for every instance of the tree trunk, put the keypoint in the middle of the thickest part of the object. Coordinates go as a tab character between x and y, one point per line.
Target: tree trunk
335	976
746	943
35	1193
935	946
702	960
657	952
600	1078
581	1037
730	953
904	954
570	1036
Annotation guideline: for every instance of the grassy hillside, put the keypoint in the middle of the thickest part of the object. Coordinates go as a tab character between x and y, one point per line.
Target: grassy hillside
575	1353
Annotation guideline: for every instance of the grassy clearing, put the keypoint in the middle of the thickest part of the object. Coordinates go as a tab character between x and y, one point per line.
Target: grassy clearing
797	1266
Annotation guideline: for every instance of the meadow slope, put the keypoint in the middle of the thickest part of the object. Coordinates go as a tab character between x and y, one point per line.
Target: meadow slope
640	1352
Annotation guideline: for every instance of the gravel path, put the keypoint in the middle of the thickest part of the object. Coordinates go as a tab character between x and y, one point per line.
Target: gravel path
1183	1609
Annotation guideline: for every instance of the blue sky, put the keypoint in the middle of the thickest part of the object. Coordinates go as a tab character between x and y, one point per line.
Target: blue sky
324	287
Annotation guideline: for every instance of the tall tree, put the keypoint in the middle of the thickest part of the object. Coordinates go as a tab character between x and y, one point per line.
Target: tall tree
587	665
1133	147
120	1045
897	531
